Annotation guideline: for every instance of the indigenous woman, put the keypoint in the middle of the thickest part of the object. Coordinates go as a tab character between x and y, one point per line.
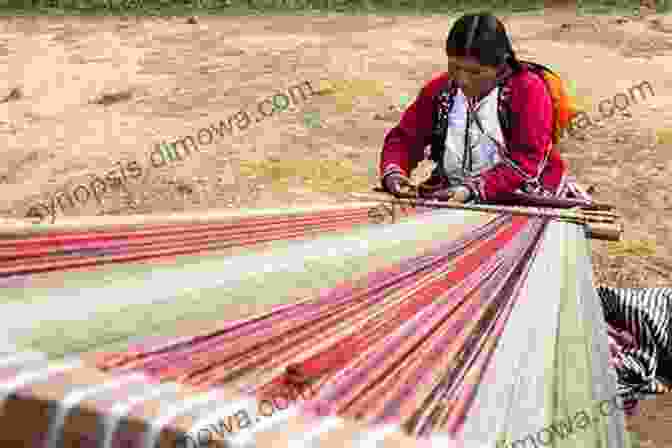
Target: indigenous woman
486	154
476	159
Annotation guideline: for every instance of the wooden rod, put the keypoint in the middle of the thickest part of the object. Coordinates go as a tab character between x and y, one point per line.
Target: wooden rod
564	214
605	232
14	229
527	200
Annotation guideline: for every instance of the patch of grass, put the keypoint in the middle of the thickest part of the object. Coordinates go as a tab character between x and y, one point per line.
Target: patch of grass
664	136
617	7
328	176
303	7
583	103
624	248
345	91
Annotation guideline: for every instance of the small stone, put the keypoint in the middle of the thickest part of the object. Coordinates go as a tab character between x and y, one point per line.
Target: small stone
185	189
107	99
14	94
192	20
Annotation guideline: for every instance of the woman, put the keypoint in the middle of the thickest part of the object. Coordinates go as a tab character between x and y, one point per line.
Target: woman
484	66
479	158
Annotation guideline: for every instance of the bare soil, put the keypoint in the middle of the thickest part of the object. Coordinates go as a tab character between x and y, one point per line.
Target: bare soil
79	95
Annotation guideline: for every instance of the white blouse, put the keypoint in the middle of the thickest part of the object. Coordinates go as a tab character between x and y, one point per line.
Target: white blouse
484	152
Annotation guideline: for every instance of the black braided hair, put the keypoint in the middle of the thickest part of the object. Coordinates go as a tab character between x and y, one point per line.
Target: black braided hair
484	37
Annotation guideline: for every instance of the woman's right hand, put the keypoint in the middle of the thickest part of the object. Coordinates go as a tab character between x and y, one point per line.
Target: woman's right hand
400	185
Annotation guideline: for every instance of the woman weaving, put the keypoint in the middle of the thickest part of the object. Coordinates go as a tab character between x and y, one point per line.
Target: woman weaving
491	125
478	156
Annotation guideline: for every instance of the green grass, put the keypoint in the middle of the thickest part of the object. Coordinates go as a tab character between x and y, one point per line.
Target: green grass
299	7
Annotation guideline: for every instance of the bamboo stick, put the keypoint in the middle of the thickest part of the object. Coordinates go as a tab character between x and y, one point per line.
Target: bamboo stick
604	232
14	228
528	200
563	214
596	212
599	224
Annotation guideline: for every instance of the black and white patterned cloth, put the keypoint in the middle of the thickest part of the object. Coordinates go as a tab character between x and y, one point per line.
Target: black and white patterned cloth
639	327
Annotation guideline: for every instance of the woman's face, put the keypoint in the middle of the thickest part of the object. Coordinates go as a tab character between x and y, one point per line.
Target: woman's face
472	77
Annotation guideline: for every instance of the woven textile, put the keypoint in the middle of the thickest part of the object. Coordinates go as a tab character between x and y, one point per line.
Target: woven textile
459	329
640	337
410	344
450	300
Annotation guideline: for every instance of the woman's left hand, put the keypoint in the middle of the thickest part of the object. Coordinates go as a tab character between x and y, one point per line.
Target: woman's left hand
455	194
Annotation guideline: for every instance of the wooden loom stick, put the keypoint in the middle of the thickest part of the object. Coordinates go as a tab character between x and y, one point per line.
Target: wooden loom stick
526	211
529	200
599	224
14	228
597	213
604	232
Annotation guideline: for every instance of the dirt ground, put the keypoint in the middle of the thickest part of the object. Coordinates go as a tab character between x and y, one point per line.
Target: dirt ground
82	94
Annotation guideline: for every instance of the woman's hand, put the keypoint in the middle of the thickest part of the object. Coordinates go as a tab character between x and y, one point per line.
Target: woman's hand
399	185
455	194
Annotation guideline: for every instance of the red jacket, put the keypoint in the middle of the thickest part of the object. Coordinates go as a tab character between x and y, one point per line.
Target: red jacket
532	110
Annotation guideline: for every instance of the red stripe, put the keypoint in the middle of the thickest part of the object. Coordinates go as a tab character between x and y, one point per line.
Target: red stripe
46	253
64	238
169	250
339	354
132	239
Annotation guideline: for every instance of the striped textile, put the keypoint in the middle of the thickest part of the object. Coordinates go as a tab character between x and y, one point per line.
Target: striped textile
106	307
65	404
640	337
388	315
30	249
477	331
